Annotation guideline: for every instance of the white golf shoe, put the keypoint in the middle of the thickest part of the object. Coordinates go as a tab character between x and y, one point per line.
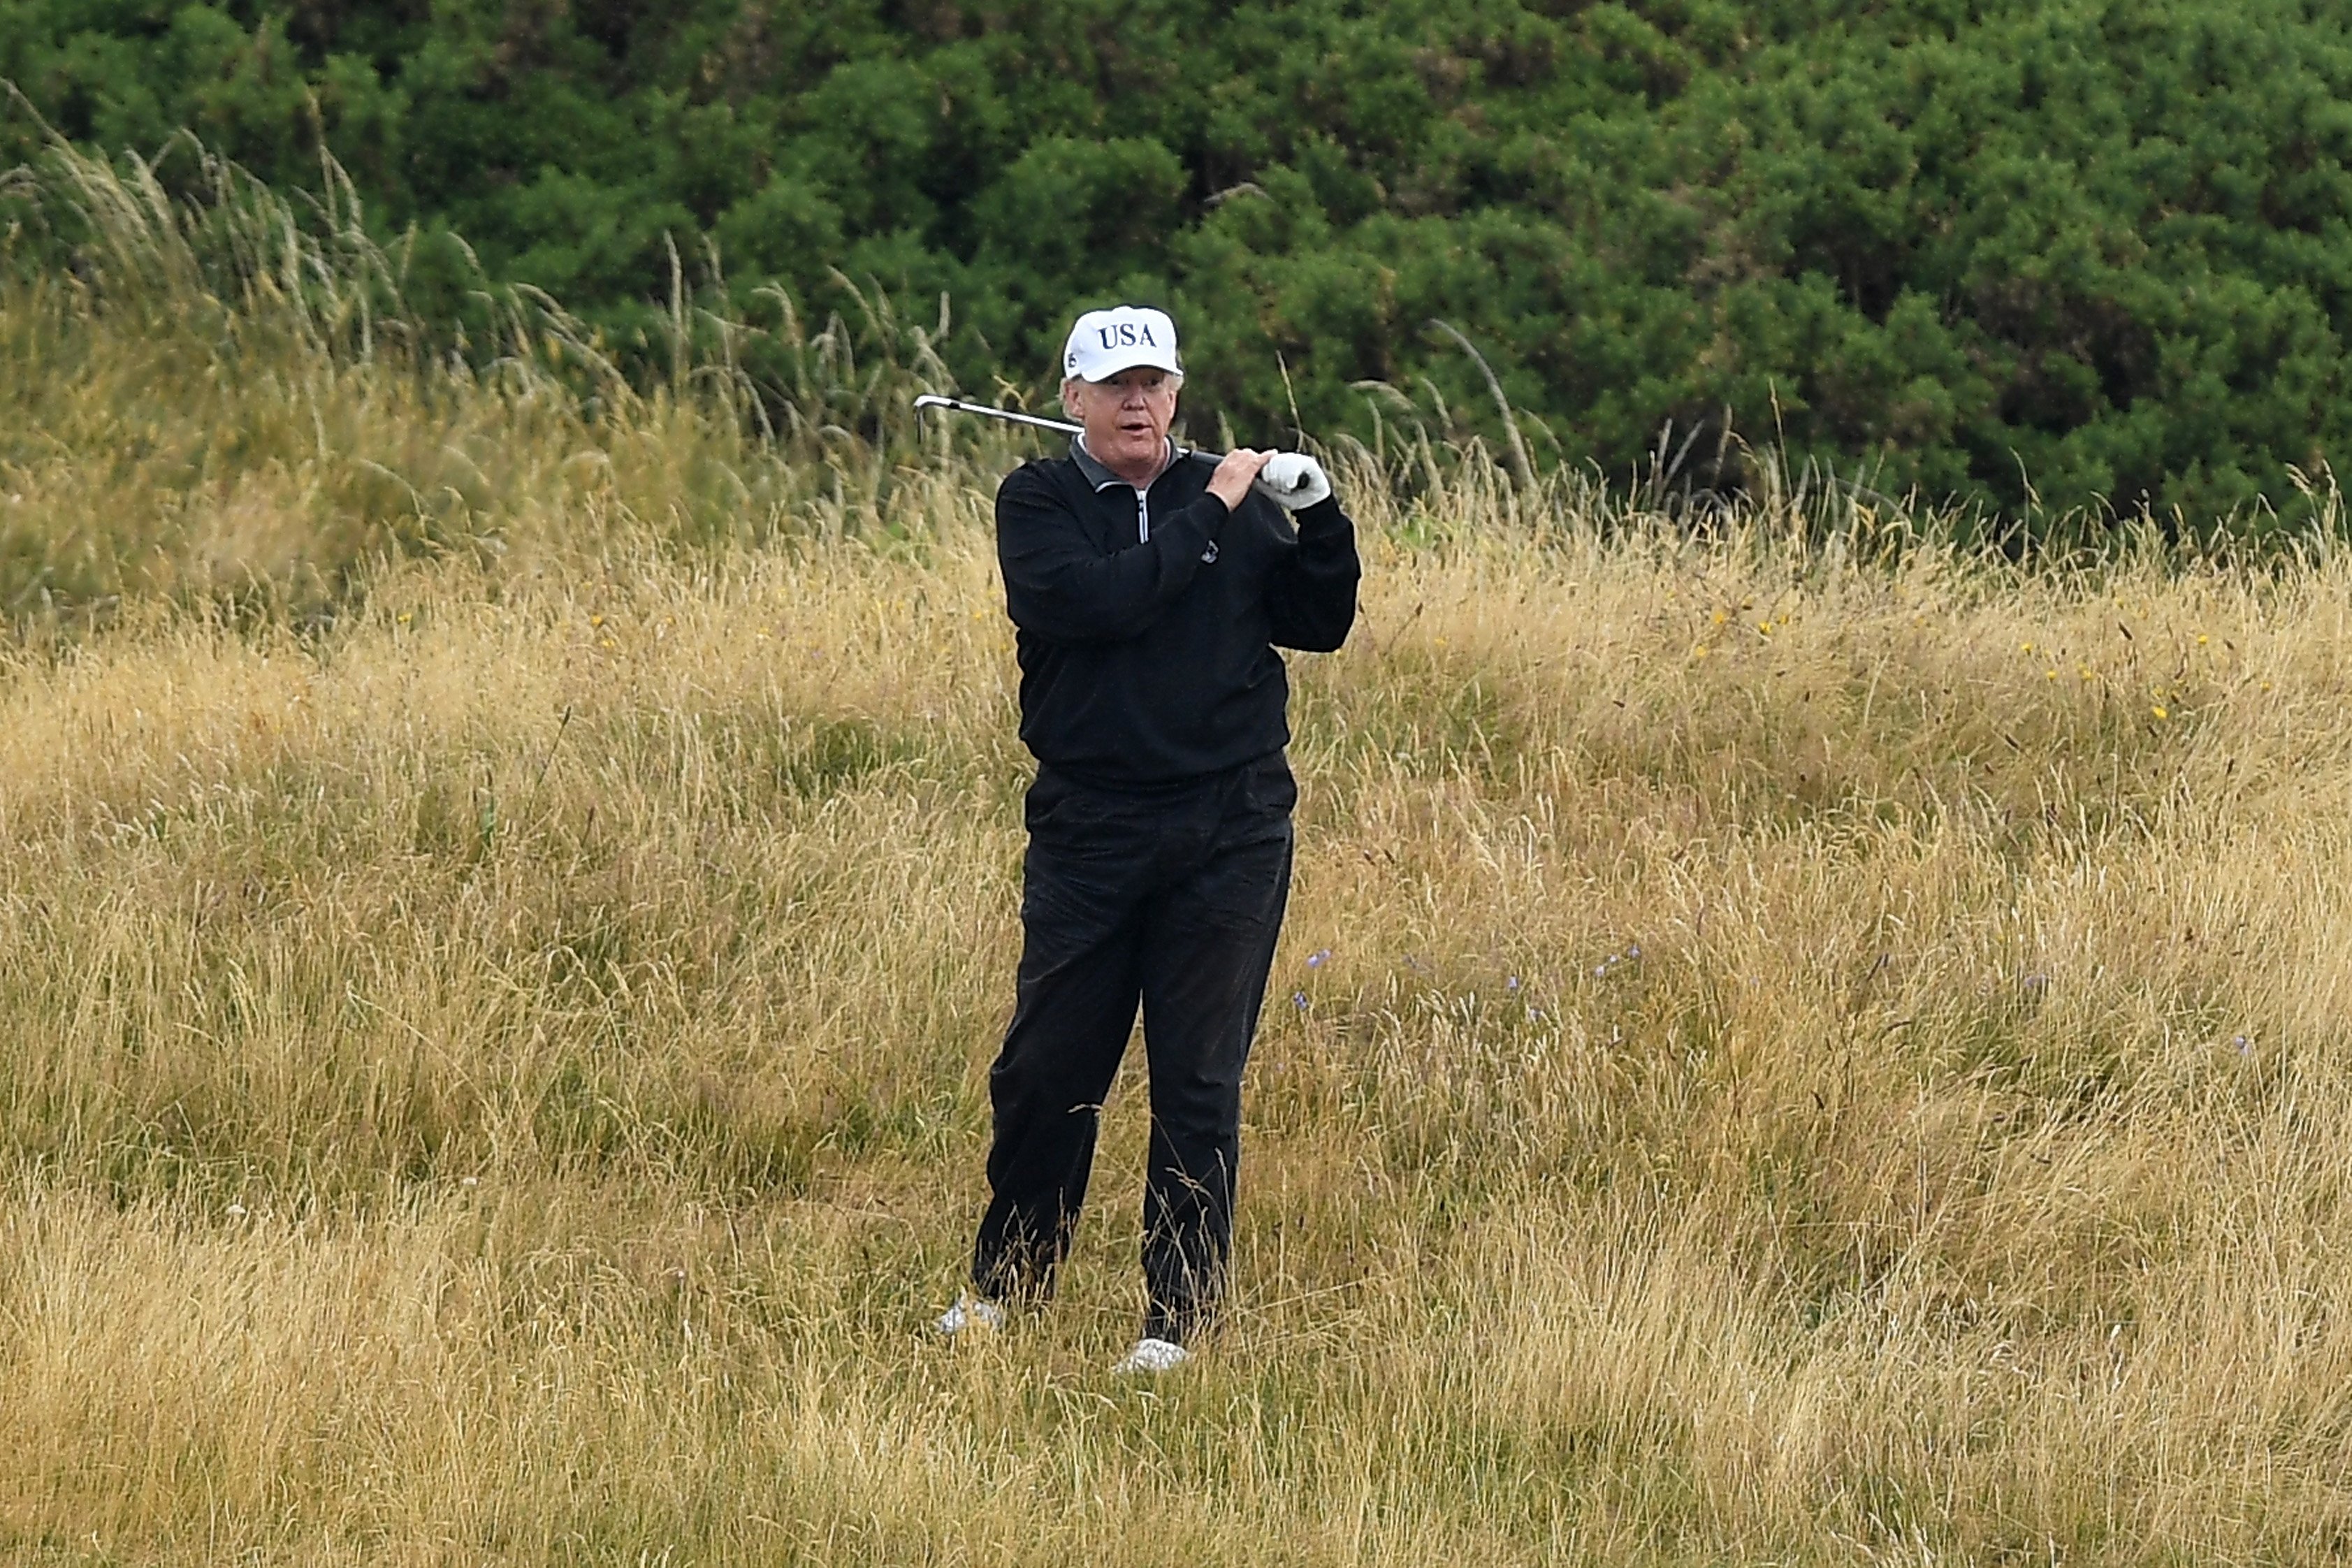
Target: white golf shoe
1153	1356
970	1312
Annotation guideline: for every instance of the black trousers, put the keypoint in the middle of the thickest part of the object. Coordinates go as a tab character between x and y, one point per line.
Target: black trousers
1173	899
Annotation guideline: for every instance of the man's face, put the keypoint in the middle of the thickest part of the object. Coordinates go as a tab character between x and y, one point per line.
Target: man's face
1126	417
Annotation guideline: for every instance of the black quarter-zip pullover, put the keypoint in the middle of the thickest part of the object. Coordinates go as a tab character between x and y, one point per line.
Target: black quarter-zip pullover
1147	624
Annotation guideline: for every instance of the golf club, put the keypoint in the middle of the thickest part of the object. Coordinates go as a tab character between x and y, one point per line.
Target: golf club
934	400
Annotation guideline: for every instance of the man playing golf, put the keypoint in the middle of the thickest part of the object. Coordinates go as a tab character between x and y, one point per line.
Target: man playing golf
1150	588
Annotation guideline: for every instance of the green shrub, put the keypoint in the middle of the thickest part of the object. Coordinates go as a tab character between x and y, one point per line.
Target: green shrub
2043	256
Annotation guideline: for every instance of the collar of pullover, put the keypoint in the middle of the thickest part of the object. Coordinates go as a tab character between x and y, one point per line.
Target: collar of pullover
1103	479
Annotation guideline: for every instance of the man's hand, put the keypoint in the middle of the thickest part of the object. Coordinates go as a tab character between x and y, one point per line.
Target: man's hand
1232	481
1294	480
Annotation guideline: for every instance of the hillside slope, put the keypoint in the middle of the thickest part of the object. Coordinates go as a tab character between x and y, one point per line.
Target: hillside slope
1793	1043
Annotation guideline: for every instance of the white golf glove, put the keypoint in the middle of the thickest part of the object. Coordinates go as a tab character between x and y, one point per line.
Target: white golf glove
1292	480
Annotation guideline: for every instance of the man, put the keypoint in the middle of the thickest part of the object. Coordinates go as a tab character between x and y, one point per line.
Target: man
1150	588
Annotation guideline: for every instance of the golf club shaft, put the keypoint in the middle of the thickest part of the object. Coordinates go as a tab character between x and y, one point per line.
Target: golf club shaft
934	400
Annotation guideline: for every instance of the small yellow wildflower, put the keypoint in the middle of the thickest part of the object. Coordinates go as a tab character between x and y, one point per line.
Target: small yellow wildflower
2049	675
2025	647
1721	616
2159	712
1699	652
595	620
2202	639
1764	627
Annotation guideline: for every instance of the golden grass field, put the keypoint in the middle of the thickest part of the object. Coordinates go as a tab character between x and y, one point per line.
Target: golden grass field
1792	1043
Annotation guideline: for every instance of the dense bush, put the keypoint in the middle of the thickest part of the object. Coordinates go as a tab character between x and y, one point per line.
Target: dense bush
2080	250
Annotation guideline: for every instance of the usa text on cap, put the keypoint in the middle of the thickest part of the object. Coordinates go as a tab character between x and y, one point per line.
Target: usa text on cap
1105	343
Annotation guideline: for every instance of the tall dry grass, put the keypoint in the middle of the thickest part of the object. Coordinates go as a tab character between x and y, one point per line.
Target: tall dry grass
1789	1046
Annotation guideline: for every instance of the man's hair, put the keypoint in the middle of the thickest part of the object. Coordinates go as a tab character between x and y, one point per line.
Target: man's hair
1173	379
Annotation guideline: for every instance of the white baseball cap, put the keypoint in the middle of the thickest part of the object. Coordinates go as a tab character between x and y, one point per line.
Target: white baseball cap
1105	343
